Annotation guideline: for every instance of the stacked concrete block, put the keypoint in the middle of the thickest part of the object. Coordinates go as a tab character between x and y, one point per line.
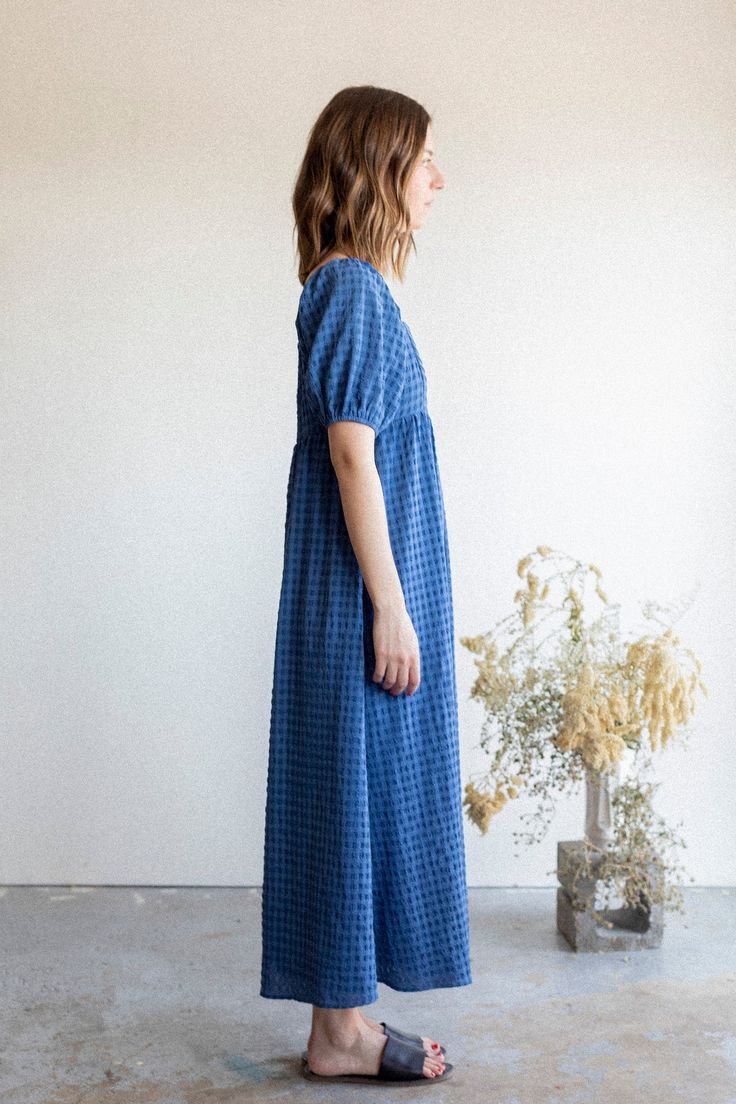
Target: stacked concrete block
589	929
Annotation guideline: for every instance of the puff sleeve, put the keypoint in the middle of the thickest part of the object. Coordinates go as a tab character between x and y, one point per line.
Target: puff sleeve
352	361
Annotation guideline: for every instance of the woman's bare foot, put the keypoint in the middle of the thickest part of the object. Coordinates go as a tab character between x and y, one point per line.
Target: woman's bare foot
342	1042
431	1047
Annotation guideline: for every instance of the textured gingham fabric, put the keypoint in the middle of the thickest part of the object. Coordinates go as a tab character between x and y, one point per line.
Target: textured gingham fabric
364	876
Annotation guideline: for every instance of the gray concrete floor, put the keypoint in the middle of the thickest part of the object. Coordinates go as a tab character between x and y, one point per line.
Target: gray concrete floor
147	994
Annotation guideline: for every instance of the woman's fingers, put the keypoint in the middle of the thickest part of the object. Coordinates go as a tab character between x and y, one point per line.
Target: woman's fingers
414	679
400	680
390	677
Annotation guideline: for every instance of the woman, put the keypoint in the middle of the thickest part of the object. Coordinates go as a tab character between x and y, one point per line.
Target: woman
364	864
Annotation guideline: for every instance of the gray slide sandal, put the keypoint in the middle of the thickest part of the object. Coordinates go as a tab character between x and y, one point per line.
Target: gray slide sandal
400	1062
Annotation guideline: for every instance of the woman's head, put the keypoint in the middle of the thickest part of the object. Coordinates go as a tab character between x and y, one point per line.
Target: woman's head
366	179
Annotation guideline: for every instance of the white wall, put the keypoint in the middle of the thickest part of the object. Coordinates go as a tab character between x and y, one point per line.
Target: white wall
573	304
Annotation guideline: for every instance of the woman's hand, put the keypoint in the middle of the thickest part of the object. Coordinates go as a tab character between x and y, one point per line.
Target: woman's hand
396	648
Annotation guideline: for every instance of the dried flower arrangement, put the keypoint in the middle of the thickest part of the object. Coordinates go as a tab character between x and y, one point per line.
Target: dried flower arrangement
567	699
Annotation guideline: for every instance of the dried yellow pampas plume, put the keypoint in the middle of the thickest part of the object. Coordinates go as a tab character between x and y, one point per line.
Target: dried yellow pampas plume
482	807
474	643
523	565
573	597
667	691
590	720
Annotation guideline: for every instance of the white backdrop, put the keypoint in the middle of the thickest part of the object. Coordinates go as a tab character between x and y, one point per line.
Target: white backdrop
572	301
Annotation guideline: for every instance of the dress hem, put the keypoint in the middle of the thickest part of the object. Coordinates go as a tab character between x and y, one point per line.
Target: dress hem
357	1000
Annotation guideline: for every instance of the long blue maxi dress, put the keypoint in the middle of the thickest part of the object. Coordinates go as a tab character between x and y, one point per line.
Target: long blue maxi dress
364	876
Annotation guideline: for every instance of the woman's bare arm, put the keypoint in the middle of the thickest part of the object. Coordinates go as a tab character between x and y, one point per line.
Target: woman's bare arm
352	452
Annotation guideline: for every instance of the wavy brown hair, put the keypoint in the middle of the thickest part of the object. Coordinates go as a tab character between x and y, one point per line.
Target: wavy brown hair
349	194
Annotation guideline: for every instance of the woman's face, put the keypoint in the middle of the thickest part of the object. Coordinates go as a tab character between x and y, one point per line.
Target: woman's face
425	180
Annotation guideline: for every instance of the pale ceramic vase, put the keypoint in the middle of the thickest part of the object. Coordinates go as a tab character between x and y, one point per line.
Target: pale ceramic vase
599	789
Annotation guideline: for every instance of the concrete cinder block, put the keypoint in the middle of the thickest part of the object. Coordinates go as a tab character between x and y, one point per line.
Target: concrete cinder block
589	929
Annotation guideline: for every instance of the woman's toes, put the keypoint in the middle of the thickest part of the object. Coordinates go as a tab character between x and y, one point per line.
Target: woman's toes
433	1066
431	1047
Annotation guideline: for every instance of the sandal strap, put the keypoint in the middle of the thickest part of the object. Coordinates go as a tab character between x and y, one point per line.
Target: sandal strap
399	1034
388	1029
401	1061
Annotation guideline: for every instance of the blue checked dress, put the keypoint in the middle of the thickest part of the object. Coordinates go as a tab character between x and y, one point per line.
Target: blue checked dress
364	875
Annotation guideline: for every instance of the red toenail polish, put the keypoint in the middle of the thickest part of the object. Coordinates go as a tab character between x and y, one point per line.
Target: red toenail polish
435	1046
